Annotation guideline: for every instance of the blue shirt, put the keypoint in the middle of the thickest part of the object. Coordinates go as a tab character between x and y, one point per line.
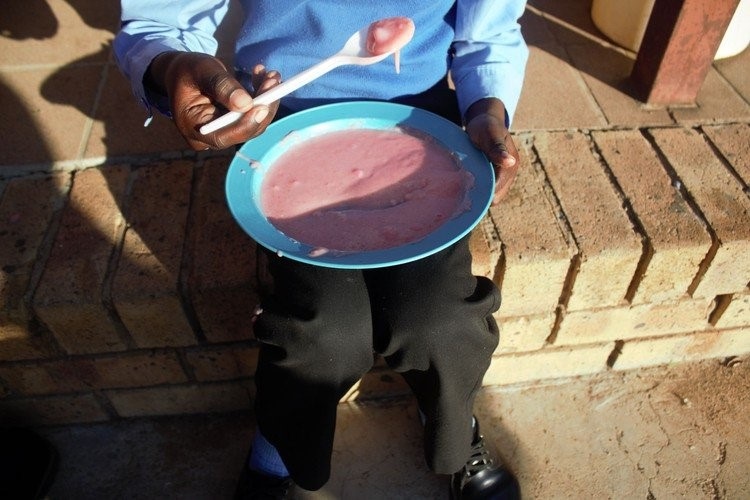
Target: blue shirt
478	41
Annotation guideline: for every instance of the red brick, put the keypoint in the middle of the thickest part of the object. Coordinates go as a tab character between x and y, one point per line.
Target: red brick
27	209
485	249
223	363
536	254
81	374
54	410
627	322
723	203
683	348
732	141
32	379
609	247
737	311
176	400
69	298
677	239
221	262
137	369
548	364
145	290
524	333
17	341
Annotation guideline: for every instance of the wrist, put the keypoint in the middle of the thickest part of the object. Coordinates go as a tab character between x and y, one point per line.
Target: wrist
154	79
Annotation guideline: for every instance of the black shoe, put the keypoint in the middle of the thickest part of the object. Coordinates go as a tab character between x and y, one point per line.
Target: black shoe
483	478
254	485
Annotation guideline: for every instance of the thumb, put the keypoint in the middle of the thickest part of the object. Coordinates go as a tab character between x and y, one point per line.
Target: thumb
488	134
499	154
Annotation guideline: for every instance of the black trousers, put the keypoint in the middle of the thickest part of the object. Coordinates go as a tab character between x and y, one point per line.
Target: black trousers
431	320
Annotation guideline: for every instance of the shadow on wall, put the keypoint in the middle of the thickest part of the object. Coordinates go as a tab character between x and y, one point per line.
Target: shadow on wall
41	221
569	47
550	24
29	119
36	20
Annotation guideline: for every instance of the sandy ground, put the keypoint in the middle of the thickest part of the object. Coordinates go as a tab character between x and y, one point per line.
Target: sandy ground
660	433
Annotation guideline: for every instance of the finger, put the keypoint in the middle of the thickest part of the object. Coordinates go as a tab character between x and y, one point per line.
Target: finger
496	146
500	155
197	145
240	100
225	90
506	170
257	75
260	75
263	81
250	125
271	79
512	149
488	134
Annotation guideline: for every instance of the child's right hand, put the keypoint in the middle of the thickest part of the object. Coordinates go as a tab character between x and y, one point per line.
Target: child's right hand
200	89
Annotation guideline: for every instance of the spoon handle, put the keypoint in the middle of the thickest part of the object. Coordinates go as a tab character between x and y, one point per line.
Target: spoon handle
277	92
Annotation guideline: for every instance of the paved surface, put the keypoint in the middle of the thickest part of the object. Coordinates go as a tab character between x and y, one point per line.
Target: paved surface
661	433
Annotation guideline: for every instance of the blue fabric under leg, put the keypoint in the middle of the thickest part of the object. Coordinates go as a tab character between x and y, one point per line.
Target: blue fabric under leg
264	457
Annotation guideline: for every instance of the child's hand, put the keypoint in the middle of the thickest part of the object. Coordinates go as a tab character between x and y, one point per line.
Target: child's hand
200	89
485	125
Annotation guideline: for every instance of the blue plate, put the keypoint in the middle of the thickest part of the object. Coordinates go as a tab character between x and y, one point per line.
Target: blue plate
251	162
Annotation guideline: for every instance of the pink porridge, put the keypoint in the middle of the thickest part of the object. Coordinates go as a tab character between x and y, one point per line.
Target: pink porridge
364	189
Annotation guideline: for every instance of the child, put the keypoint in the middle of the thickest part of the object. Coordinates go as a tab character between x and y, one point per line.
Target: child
431	319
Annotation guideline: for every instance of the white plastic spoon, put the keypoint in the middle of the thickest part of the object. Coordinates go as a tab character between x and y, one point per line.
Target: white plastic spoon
354	52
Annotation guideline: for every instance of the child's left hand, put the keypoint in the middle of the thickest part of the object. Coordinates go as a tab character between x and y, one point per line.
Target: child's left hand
485	125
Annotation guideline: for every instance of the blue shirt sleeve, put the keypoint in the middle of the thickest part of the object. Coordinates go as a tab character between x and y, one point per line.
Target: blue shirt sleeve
149	28
489	52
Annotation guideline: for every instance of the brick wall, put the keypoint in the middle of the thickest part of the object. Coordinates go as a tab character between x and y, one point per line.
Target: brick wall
127	290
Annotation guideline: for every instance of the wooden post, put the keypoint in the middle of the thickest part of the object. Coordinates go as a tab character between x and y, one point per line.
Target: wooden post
678	49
